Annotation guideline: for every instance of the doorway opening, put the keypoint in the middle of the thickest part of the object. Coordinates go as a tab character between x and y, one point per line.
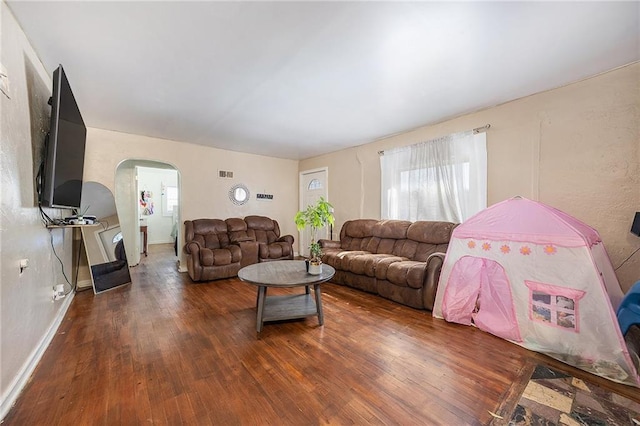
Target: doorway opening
148	202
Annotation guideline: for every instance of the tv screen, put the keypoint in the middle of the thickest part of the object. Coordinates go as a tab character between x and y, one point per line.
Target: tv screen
61	180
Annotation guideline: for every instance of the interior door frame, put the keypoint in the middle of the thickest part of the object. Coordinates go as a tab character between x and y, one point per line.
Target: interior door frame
127	201
301	191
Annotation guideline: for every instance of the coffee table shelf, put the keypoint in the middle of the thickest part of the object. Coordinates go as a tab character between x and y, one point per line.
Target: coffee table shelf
277	308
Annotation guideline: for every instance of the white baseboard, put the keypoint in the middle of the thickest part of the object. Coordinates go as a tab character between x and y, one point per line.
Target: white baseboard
21	379
182	267
160	241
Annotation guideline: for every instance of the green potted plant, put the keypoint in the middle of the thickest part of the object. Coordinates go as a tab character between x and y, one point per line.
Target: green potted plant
315	217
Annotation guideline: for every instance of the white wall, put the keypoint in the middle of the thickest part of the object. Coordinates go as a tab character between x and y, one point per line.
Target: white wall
159	227
576	148
28	316
202	194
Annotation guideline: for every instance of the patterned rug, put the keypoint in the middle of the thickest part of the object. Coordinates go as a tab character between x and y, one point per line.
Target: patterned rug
555	398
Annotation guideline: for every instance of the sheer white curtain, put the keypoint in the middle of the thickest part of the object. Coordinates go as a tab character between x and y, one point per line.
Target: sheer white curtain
442	179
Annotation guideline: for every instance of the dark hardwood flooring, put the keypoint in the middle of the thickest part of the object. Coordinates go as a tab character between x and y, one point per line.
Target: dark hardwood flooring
165	350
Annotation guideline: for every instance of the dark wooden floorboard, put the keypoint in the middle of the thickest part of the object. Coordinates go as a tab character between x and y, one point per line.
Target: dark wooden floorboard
165	350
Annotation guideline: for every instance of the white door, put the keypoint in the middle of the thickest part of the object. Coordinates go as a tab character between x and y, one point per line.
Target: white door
313	185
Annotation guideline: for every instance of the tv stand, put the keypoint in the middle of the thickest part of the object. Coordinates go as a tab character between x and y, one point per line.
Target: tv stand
73	226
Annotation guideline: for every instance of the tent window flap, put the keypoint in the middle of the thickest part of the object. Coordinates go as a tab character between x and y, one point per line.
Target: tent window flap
553	305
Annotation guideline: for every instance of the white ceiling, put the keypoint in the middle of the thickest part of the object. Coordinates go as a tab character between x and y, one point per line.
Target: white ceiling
298	79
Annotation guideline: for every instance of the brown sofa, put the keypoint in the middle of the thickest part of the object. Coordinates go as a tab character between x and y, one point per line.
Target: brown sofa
398	260
218	248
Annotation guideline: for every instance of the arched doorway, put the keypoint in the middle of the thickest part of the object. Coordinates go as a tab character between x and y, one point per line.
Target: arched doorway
129	203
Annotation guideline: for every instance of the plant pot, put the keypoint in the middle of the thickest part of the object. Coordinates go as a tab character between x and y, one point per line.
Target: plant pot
315	268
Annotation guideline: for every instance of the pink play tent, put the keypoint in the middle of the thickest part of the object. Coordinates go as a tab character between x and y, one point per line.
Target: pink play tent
535	276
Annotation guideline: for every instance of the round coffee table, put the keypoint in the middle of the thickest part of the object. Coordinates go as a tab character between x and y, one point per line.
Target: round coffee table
282	274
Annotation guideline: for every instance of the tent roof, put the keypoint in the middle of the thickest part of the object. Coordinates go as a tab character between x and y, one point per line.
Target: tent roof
521	219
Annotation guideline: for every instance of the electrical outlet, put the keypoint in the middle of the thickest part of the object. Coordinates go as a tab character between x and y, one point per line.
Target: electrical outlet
24	264
58	292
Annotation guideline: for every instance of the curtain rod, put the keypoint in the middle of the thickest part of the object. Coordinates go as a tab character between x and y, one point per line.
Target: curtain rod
474	131
481	129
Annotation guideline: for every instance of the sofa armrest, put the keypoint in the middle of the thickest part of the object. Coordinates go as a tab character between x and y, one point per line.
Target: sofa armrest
329	244
249	251
436	255
432	275
236	253
286	238
192	247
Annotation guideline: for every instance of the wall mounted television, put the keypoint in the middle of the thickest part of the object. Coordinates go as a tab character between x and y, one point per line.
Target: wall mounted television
60	184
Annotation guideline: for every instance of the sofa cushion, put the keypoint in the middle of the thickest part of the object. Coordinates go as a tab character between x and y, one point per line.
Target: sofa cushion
430	232
394	229
353	243
408	273
237	230
383	265
275	250
209	226
386	246
210	233
340	260
358	228
356	234
262	229
210	257
365	264
425	250
405	248
372	245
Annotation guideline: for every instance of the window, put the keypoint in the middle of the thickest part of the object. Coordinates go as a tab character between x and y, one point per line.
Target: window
169	200
555	306
314	184
442	179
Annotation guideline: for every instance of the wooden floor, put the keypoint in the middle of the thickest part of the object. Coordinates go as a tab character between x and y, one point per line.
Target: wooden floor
165	350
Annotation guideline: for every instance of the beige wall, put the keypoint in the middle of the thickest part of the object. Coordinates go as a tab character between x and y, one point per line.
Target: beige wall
28	315
203	194
576	148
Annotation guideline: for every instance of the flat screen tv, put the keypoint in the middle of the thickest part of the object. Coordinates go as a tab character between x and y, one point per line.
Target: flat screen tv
60	183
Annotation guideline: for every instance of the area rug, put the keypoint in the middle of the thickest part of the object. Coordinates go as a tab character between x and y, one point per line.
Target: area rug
552	397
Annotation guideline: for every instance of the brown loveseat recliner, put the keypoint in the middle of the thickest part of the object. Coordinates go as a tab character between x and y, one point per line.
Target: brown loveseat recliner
210	253
219	248
267	233
396	259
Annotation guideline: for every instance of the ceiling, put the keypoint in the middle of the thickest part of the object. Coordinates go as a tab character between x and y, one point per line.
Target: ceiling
299	79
